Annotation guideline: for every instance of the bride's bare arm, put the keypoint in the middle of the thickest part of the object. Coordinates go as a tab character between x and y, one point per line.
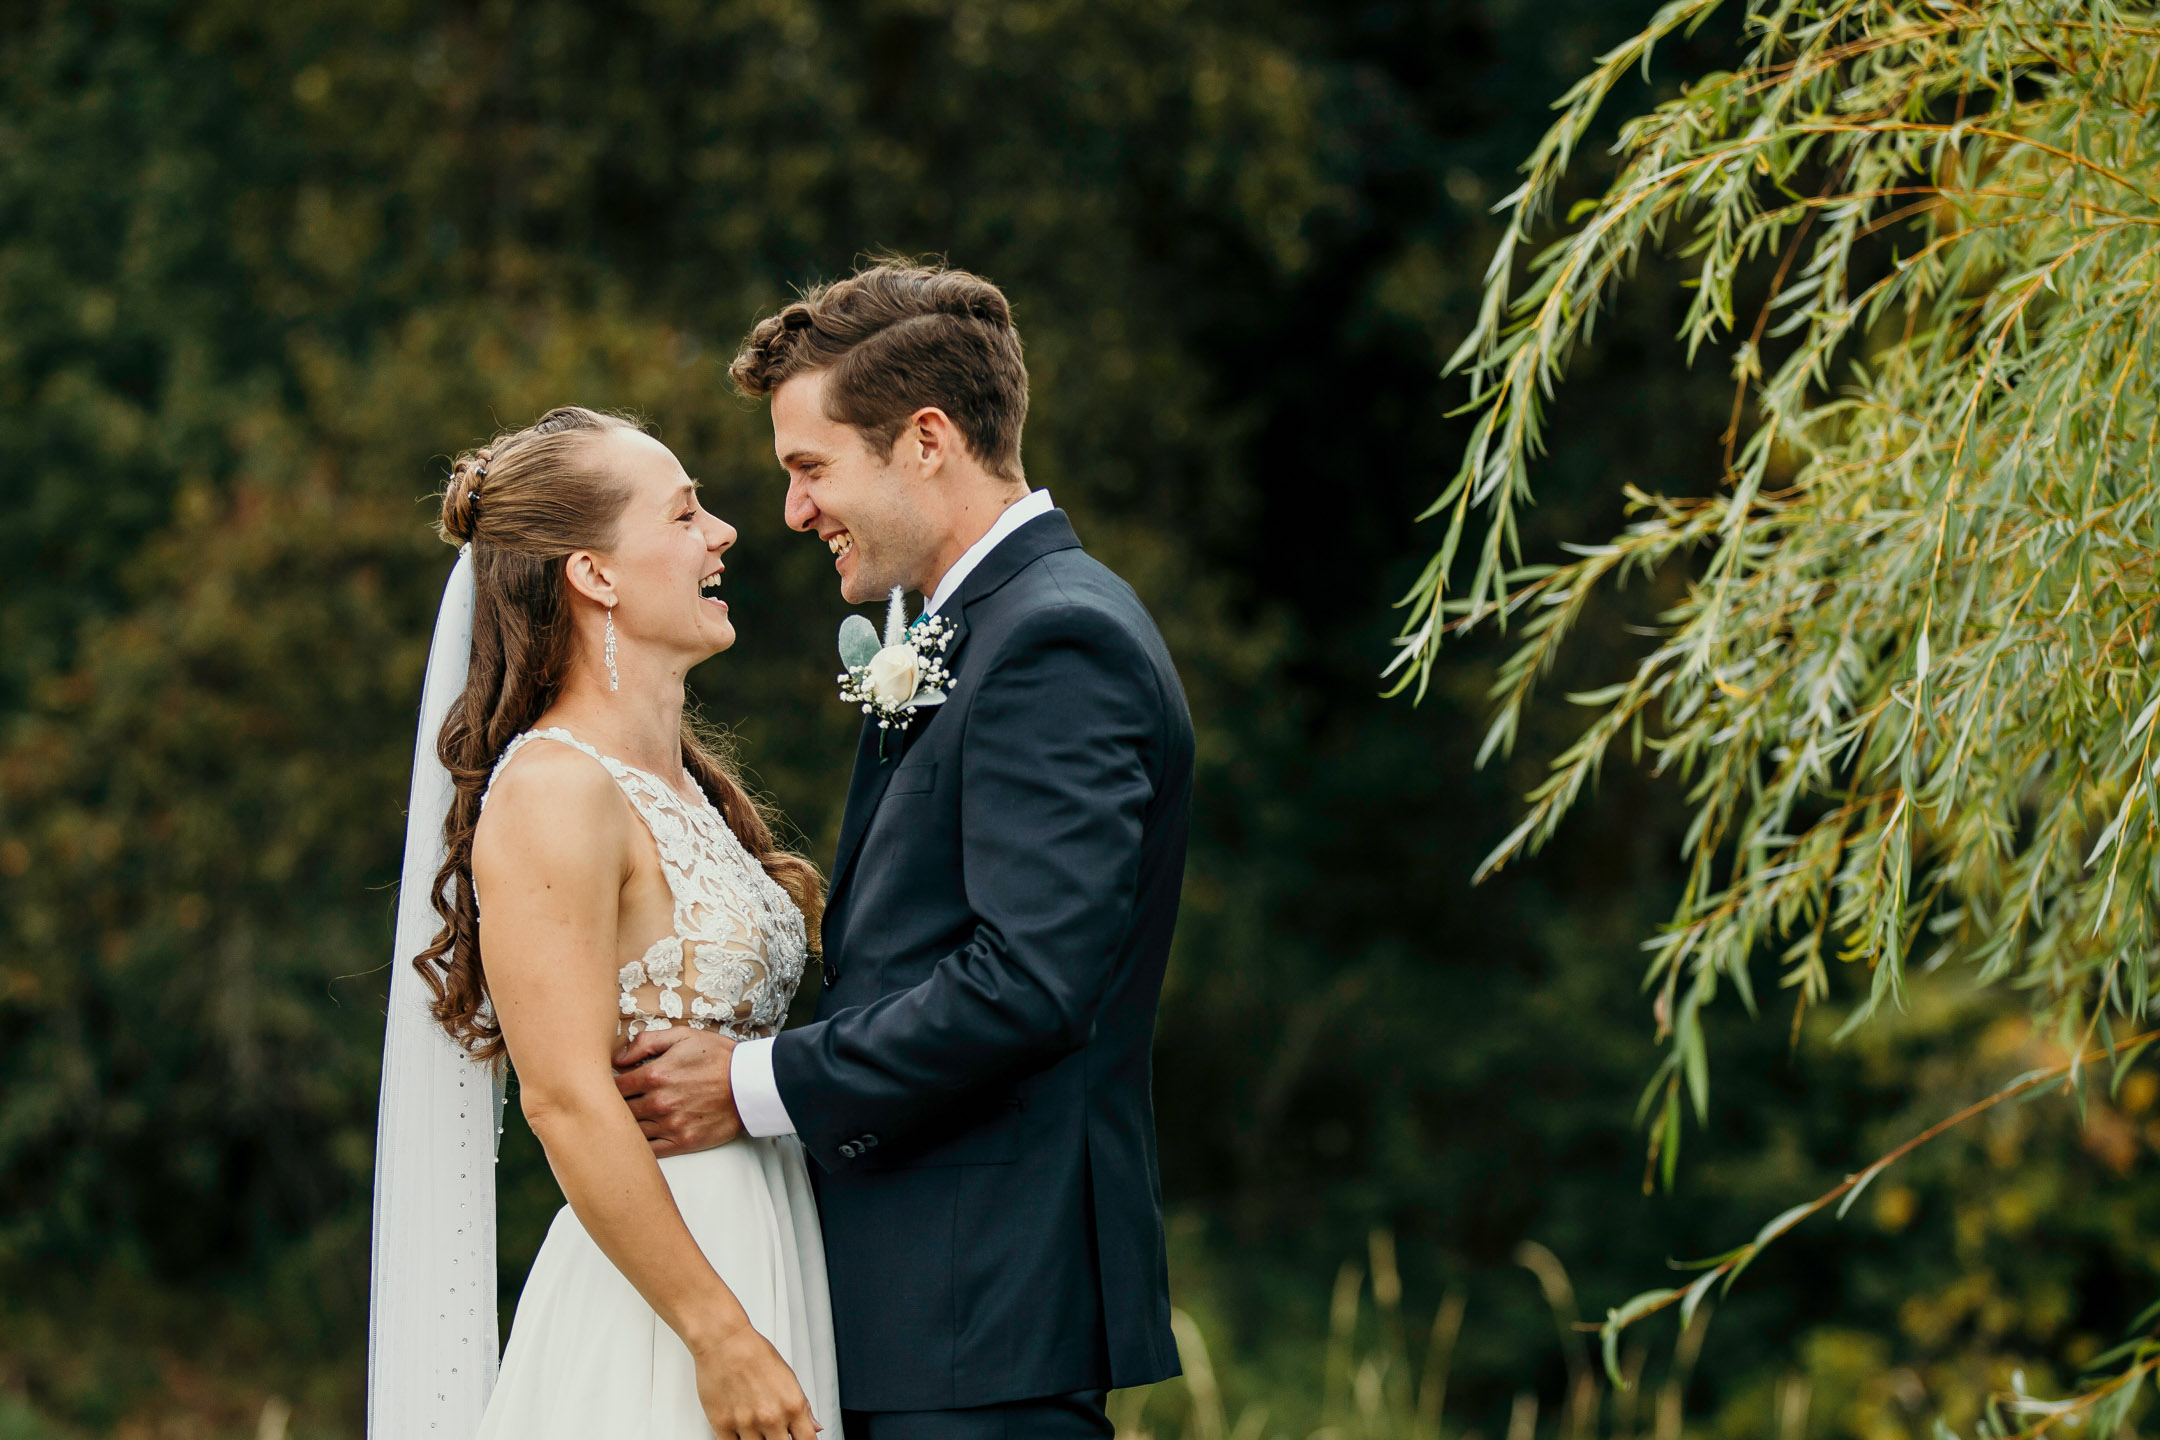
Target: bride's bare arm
550	857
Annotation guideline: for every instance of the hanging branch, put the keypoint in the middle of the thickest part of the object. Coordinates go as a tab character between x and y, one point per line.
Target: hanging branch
1910	686
1727	1267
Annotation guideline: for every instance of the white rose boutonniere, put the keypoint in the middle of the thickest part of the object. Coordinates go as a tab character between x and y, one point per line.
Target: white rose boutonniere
894	672
903	674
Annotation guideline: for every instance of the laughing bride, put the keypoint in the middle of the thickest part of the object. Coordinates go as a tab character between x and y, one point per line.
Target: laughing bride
602	872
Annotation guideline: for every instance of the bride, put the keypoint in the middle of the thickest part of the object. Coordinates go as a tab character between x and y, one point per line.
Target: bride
602	872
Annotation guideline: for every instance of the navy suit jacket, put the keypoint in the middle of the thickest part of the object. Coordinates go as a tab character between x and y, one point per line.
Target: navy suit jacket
975	1089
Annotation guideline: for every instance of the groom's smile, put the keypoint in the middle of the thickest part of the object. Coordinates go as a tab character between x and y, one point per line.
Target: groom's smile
842	545
848	490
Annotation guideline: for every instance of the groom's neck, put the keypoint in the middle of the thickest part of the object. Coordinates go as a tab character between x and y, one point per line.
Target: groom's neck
970	519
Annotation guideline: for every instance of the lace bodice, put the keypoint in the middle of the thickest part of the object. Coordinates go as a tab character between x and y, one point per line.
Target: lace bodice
736	951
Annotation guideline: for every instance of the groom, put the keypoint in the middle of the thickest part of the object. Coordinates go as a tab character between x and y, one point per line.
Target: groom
975	1088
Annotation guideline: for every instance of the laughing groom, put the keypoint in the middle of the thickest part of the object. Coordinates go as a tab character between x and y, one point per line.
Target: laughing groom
975	1088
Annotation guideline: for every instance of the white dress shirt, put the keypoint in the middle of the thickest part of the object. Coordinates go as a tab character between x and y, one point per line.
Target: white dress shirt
750	1073
1033	504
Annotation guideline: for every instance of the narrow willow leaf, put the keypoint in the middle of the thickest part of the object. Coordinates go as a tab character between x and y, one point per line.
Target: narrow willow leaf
2113	1409
1619	1319
1867	1178
1694	1297
1709	1264
1783	1223
2145	718
1669	1155
2124	1060
2147	1318
2128	1350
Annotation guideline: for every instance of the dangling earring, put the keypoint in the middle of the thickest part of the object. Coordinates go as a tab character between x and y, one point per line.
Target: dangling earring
614	678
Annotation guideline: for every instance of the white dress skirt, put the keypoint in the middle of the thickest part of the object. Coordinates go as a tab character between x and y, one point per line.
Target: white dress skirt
589	1360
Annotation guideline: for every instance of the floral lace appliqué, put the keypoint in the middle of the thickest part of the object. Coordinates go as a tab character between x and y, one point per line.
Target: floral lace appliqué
741	937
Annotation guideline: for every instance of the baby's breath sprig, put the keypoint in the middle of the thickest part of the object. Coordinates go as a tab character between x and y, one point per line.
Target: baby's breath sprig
905	674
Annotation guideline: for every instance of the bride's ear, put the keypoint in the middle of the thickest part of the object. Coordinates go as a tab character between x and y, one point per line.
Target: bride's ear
588	576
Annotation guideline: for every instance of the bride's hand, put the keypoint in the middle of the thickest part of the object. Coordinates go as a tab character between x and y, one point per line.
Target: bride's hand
748	1391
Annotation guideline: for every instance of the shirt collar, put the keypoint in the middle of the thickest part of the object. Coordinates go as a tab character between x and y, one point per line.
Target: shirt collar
1017	514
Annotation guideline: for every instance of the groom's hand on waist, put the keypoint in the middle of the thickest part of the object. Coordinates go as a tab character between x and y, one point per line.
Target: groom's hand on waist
676	1081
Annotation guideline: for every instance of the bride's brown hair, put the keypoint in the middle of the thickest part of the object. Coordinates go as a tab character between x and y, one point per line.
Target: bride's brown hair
525	502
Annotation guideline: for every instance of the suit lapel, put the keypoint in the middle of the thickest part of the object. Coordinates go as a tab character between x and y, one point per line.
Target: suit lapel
866	787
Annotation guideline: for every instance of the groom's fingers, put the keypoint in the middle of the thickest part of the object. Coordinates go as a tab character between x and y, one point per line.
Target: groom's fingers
638	1086
662	1138
662	1134
650	1043
680	1095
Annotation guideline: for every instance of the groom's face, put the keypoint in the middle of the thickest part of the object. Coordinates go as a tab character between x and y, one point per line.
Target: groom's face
862	504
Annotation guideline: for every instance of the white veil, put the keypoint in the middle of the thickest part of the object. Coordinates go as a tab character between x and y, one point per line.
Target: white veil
433	1345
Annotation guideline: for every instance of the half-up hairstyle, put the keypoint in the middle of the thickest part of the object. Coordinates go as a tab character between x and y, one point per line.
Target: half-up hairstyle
525	502
899	337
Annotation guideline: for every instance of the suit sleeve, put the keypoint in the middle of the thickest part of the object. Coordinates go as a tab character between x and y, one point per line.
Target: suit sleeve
1055	784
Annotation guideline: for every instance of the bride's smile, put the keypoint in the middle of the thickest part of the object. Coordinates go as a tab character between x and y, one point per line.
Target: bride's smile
664	563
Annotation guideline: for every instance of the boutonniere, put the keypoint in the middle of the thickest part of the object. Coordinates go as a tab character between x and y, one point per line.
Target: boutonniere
903	674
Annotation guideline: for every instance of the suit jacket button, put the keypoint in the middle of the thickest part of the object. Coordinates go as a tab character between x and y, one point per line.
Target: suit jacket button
868	1142
849	1150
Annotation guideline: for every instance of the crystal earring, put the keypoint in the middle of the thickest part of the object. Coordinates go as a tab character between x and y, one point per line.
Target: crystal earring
614	677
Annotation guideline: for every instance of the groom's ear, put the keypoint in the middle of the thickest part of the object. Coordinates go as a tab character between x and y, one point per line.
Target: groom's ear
929	440
587	575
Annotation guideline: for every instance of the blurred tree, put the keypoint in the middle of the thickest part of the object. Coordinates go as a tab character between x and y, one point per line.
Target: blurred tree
263	268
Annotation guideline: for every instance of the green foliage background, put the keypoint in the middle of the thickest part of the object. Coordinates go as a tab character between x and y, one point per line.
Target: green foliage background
262	268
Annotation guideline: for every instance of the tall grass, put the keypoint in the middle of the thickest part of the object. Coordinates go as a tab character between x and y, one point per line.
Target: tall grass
1385	1378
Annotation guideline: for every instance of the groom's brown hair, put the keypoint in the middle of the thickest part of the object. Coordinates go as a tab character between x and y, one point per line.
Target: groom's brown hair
899	336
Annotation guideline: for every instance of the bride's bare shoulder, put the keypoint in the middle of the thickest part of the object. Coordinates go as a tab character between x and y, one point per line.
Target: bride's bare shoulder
552	806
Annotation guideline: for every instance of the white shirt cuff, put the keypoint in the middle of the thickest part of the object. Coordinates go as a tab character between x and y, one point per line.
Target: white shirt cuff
757	1094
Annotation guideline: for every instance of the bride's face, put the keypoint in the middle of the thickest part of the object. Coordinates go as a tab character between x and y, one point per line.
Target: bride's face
665	560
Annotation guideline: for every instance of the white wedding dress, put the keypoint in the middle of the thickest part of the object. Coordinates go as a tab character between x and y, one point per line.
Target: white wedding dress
588	1359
